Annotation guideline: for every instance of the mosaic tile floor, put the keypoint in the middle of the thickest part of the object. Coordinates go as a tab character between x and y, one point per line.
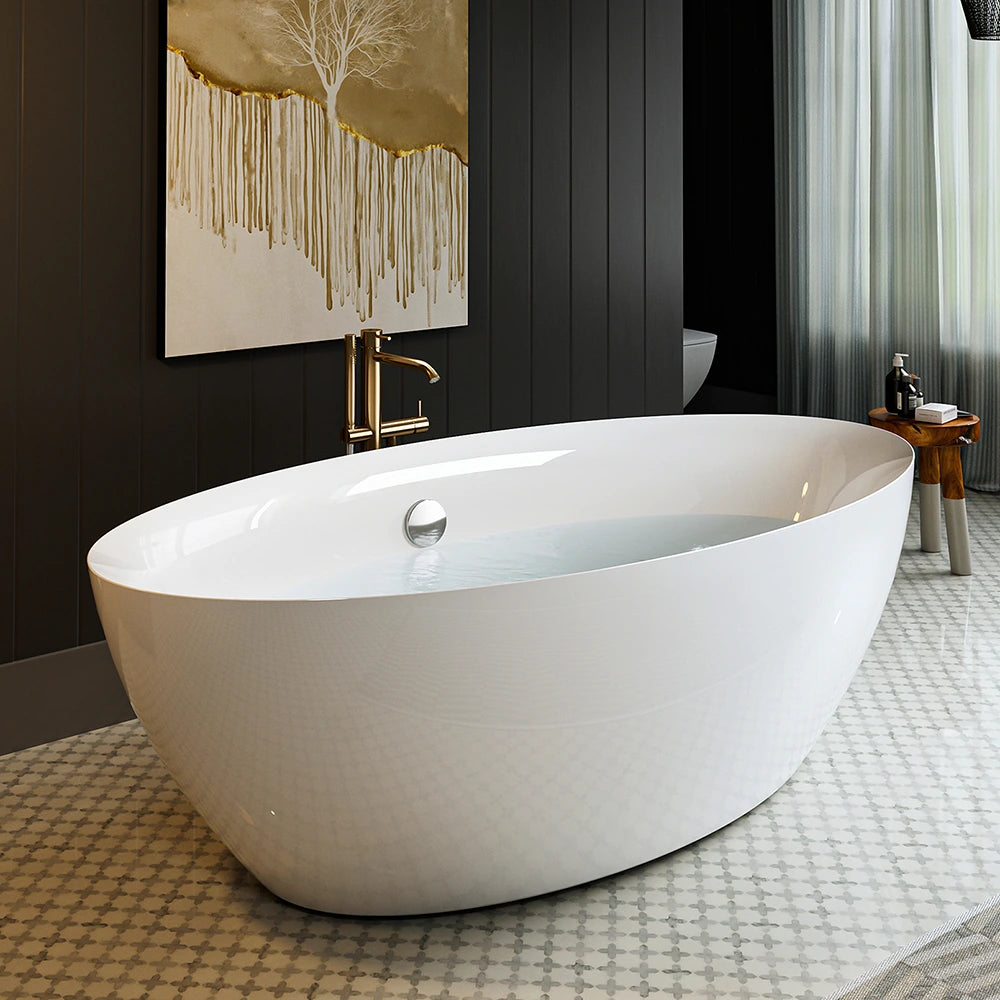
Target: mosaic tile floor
111	886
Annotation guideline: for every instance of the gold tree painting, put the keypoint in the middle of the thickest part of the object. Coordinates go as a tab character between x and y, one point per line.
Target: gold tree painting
316	170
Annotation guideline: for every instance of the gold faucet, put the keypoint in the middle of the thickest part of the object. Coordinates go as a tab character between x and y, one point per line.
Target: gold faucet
374	431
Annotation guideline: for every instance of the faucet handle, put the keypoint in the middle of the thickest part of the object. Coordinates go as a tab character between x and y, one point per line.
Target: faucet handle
420	407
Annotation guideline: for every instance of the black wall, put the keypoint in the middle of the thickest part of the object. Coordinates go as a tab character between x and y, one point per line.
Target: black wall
729	231
575	306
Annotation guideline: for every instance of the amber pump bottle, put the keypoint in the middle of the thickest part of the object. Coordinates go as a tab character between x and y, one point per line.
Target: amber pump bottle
896	385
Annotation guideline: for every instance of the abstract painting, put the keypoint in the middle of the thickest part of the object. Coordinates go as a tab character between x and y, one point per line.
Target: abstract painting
316	170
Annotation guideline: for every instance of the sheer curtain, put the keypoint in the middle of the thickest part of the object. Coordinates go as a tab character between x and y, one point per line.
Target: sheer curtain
888	217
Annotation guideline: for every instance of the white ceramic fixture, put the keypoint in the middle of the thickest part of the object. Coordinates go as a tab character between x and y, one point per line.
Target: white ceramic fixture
699	350
594	664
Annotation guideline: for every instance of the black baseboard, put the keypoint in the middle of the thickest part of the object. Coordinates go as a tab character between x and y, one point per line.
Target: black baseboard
48	697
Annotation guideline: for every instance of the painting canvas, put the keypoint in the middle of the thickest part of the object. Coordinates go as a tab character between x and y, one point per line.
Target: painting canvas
316	170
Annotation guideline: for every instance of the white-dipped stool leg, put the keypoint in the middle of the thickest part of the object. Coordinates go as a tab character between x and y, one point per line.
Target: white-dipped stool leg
957	525
930	517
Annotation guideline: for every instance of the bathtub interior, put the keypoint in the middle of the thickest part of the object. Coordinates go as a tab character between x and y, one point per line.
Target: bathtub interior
265	538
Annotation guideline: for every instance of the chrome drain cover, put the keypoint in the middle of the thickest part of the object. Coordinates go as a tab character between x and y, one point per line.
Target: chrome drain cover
424	523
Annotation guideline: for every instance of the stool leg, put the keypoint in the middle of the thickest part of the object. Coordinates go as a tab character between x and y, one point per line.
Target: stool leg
930	517
955	519
957	526
929	466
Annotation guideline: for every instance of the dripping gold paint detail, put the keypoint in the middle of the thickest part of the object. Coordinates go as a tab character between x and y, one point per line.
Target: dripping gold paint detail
402	152
246	162
280	96
239	91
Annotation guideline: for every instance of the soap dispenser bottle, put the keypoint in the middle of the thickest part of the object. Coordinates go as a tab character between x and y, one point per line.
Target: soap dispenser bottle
896	385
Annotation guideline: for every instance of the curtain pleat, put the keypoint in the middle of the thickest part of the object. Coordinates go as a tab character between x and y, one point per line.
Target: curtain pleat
887	154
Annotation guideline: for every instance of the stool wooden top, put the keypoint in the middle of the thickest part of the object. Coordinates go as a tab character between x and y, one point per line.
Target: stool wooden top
962	430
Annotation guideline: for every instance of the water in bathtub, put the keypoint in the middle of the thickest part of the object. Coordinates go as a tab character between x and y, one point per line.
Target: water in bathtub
534	553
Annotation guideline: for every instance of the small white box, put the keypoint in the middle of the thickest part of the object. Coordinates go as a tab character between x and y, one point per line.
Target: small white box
936	413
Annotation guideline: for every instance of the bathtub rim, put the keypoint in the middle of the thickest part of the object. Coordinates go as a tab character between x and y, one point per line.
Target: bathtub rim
866	430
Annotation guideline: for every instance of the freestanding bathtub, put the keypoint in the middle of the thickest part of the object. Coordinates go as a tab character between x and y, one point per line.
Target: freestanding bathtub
598	663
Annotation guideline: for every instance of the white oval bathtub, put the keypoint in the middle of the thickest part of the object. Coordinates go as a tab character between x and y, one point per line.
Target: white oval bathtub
373	728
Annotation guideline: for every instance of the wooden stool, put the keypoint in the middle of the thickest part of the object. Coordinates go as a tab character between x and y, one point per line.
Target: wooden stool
940	471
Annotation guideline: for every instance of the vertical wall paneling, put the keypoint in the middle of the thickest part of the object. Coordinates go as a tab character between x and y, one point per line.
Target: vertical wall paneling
225	418
664	268
110	283
276	407
574	279
550	192
511	206
468	388
589	208
323	402
48	361
10	182
169	421
626	208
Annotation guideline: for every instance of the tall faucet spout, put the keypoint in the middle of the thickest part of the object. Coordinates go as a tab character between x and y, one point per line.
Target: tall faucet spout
398	359
375	430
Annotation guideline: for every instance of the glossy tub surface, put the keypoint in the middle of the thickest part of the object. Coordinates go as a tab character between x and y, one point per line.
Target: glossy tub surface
421	752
